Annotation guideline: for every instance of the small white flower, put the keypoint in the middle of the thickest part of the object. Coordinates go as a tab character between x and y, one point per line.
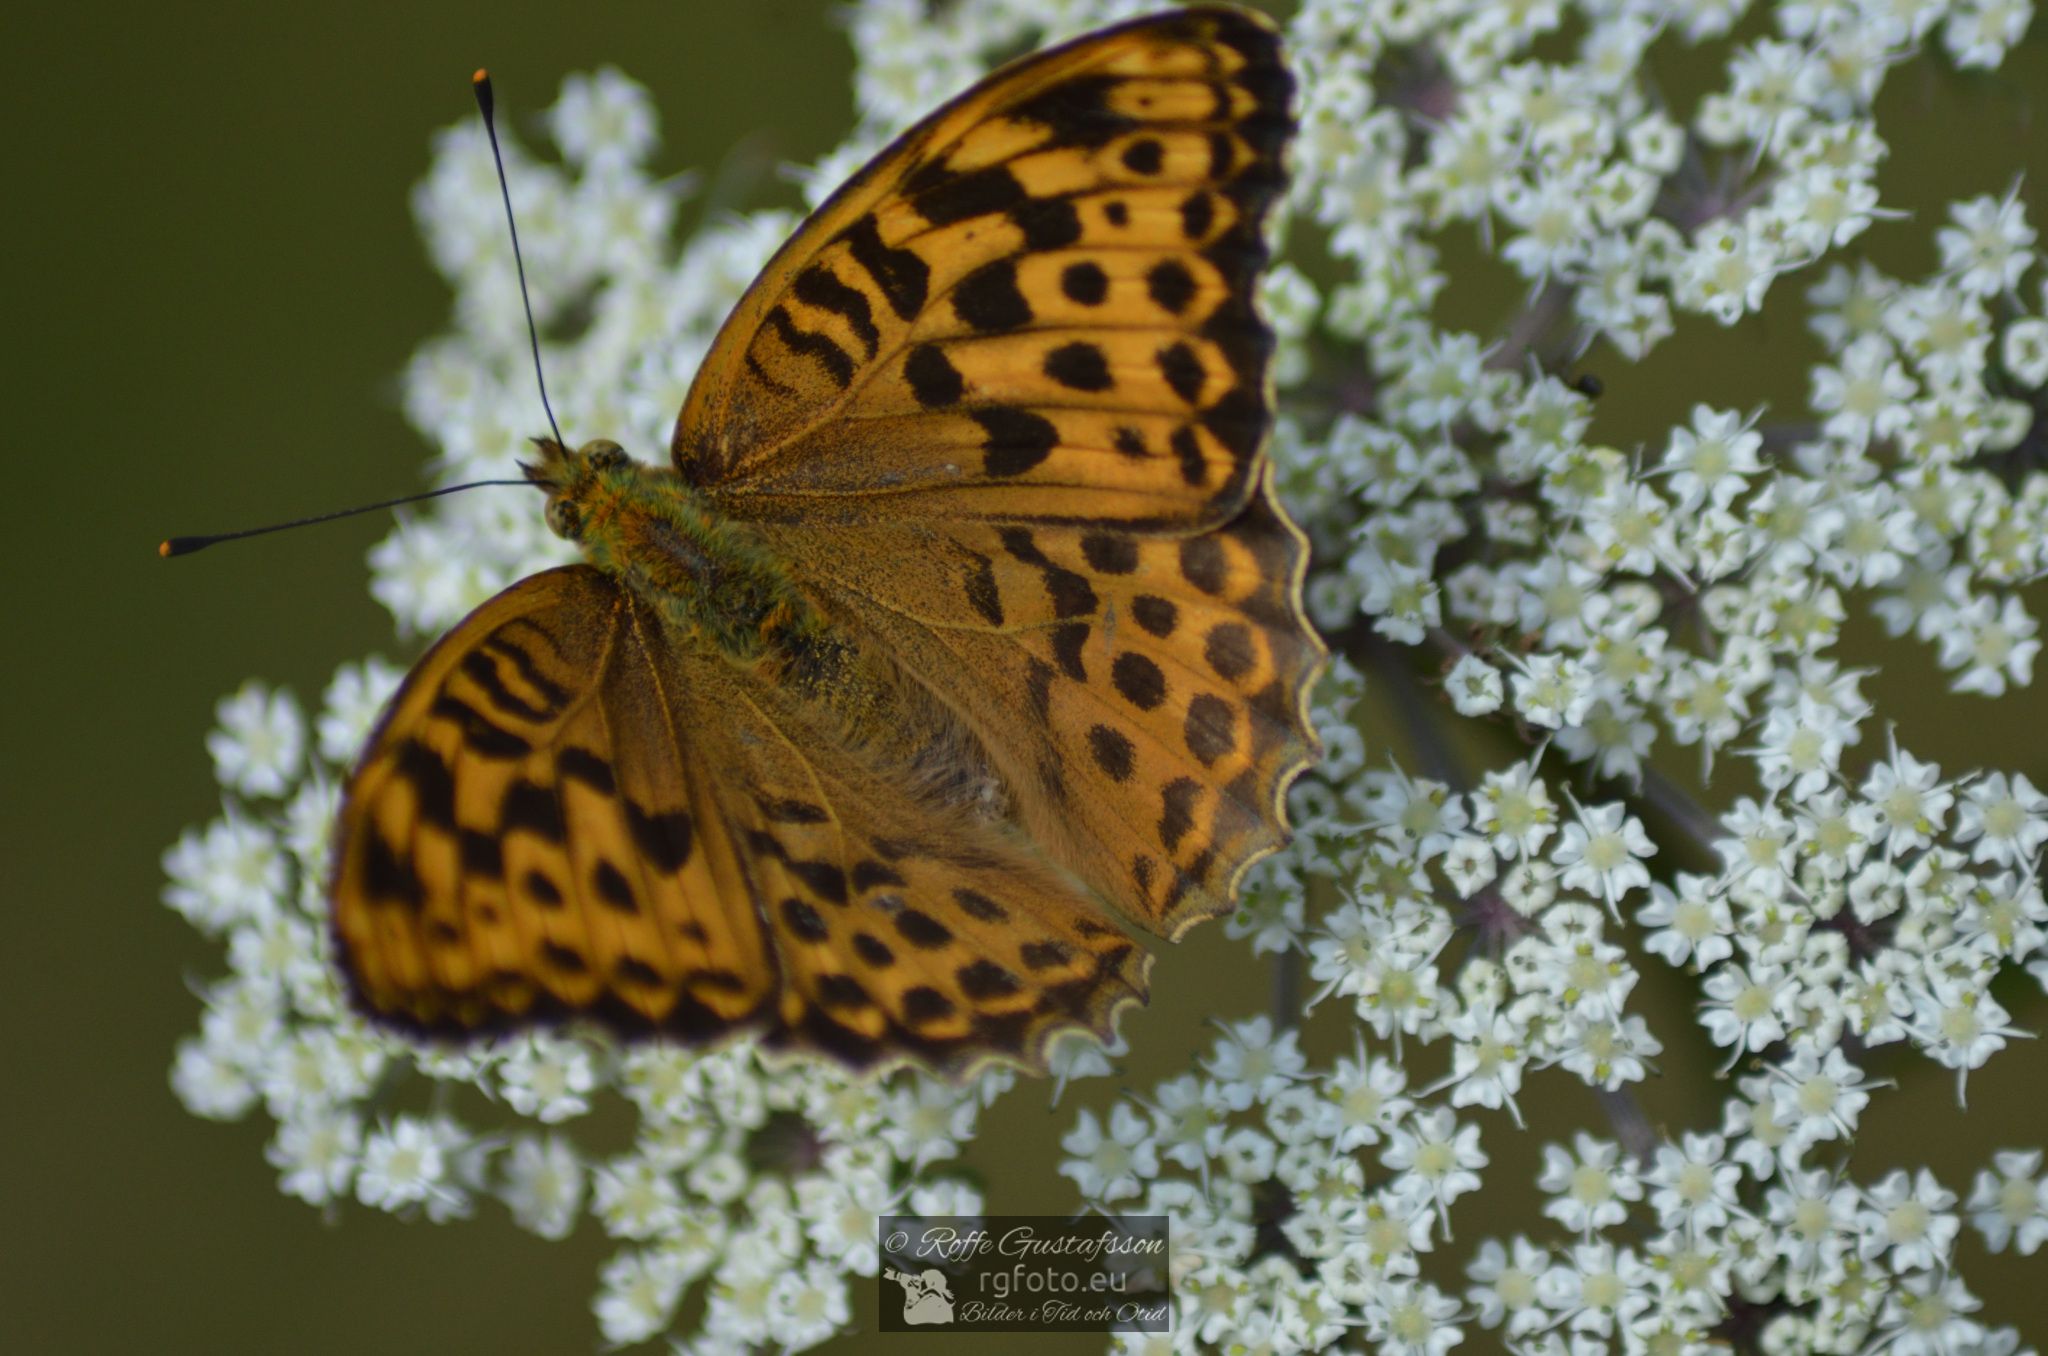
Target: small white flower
1113	1166
349	707
2006	819
1601	852
637	1295
548	1078
1590	1189
261	741
1474	686
544	1184
404	1164
315	1153
2010	1205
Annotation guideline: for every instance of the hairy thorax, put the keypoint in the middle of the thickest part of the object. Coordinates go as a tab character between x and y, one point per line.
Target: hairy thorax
715	583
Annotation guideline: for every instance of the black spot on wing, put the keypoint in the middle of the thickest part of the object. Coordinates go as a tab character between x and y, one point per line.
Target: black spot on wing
900	275
550	692
481	854
534	808
1144	156
1170	285
978	905
613	889
1229	650
1045	955
1047	223
873	951
933	378
1139	680
789	810
1077	109
1017	439
988	299
1085	283
1203	565
1068	638
842	991
1211	731
1182	369
838	366
922	931
867	874
1112	751
433	786
1177	810
635	971
386	875
478	668
942	197
1079	366
1187	449
924	1004
1070	593
479	735
1038	676
819	286
1155	615
581	765
803	920
564	958
1109	552
982	593
984	979
663	839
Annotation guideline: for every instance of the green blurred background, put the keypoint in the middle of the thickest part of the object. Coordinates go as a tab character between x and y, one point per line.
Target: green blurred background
214	278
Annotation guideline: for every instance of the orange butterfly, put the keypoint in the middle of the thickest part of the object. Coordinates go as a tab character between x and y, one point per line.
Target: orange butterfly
966	612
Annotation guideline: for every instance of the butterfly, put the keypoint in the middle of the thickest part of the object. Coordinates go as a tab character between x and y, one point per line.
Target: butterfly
964	623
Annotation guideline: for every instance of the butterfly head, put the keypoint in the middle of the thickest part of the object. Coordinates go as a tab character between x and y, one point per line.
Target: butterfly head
576	482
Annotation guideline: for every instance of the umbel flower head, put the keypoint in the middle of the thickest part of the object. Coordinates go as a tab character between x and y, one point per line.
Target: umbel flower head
1683	772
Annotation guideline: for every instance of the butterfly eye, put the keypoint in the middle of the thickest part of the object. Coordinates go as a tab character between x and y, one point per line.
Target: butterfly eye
603	456
564	519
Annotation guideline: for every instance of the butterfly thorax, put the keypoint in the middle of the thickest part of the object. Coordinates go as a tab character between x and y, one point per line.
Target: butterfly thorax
705	574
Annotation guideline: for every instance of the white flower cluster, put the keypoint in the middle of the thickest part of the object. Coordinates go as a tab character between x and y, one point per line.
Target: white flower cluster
760	1184
1584	603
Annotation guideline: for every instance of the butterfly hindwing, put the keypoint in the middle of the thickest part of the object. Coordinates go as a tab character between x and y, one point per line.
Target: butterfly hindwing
1037	304
1143	693
907	922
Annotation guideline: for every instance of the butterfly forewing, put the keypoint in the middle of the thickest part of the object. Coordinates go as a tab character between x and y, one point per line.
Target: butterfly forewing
1037	304
1009	397
530	835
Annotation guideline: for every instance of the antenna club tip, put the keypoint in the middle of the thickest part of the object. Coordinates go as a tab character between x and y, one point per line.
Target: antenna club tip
480	76
163	549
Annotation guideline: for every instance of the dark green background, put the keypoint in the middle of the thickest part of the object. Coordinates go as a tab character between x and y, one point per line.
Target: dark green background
212	280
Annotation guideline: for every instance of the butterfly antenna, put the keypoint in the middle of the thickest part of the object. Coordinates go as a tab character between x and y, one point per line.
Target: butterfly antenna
185	546
487	104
